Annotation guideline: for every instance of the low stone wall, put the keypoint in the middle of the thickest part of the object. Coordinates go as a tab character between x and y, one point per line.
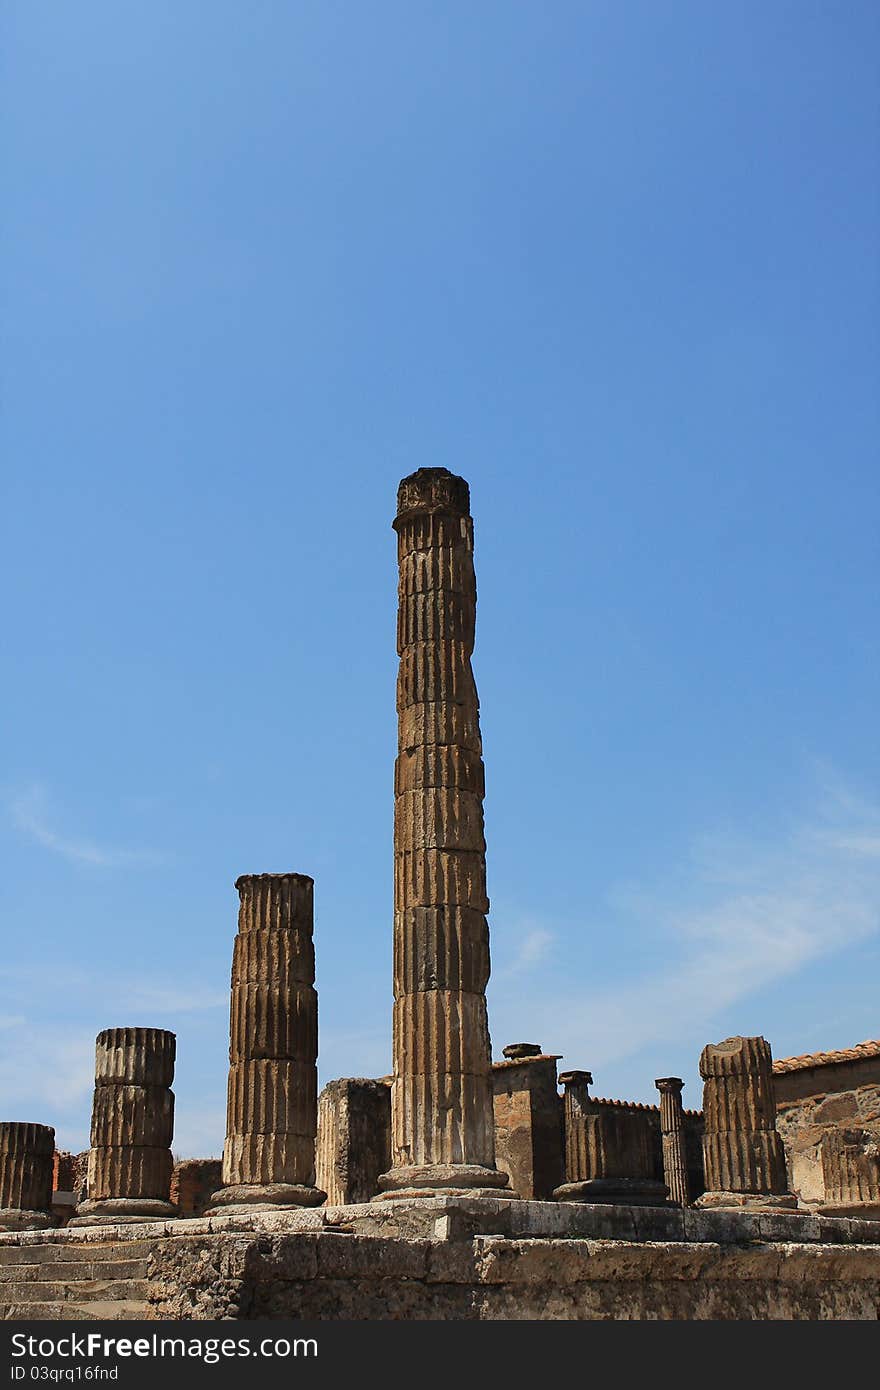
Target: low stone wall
329	1275
193	1183
457	1258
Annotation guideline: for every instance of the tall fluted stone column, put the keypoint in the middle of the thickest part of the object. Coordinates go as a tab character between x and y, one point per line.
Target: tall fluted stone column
26	1153
442	1119
675	1169
272	1097
742	1151
130	1161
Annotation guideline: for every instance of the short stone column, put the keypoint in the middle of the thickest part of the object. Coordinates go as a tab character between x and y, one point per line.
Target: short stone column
354	1138
26	1153
609	1154
272	1096
130	1163
675	1168
529	1136
742	1151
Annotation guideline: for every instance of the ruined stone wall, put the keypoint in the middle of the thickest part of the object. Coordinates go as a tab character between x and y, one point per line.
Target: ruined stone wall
811	1102
193	1183
331	1275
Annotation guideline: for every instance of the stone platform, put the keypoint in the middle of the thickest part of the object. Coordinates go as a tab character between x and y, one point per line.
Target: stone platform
451	1258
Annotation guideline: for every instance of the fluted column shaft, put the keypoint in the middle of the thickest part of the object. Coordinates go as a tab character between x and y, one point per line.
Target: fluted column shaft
272	1094
675	1170
575	1108
742	1151
26	1152
442	1107
130	1163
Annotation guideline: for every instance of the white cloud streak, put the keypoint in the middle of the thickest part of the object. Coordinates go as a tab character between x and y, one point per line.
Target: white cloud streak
32	816
744	917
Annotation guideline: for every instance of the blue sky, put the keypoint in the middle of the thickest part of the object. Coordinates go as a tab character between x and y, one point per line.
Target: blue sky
615	264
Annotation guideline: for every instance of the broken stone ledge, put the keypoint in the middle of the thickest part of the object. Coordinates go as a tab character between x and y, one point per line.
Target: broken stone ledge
451	1258
461	1218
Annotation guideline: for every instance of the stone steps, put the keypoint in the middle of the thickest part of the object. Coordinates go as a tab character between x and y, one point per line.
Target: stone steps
74	1282
71	1271
75	1251
111	1310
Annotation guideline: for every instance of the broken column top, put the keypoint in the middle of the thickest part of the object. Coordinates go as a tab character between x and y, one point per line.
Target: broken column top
303	879
276	901
735	1057
514	1051
135	1057
432	490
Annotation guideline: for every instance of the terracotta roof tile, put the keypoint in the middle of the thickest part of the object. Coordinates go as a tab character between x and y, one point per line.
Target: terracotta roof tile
862	1050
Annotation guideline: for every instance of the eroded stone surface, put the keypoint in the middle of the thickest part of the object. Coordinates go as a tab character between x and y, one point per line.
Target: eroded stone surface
675	1168
609	1148
742	1151
130	1159
271	1116
26	1154
529	1126
442	1088
354	1138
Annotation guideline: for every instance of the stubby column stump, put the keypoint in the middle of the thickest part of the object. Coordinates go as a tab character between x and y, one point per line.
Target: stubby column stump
26	1154
130	1163
443	1138
272	1097
675	1169
742	1151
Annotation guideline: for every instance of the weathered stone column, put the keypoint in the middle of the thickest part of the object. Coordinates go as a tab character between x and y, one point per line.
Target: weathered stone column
26	1153
130	1159
272	1098
675	1169
609	1154
442	1125
742	1151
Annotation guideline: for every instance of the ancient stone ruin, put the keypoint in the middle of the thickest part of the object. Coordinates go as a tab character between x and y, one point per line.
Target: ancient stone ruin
672	1127
25	1175
130	1163
743	1153
272	1105
442	1131
458	1187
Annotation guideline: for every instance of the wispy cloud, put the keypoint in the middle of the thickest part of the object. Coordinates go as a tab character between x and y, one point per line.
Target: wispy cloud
740	916
31	814
94	989
532	946
47	1070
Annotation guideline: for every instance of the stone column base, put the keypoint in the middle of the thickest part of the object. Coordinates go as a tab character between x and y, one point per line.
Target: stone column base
862	1211
248	1197
17	1219
631	1192
443	1180
111	1211
750	1201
